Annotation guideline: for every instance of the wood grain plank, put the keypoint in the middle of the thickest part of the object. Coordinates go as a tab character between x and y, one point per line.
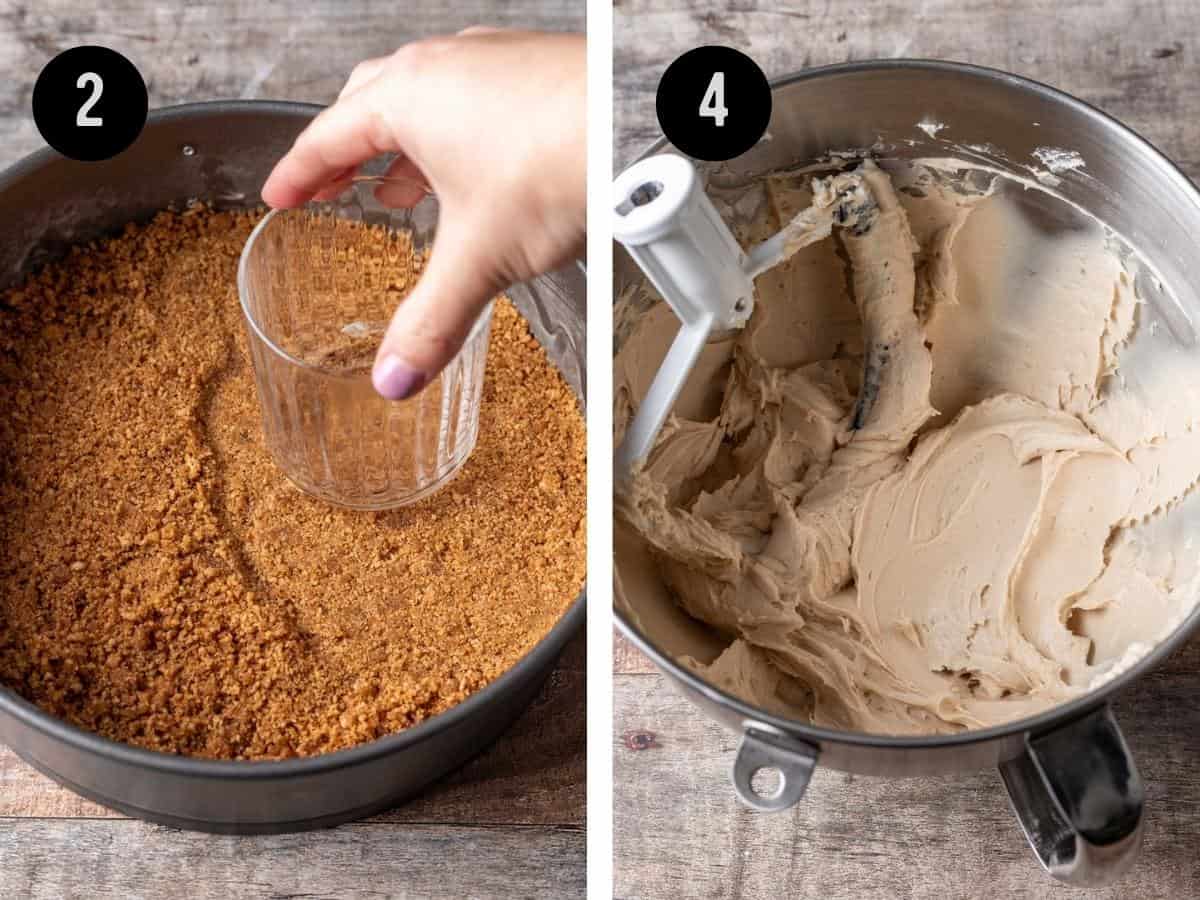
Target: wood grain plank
679	831
628	659
224	49
25	792
119	859
1136	61
534	775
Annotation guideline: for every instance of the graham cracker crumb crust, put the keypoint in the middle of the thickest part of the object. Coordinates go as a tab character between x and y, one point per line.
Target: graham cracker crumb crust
163	584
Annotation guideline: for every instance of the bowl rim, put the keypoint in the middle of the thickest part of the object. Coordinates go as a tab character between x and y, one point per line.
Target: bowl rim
1048	719
540	656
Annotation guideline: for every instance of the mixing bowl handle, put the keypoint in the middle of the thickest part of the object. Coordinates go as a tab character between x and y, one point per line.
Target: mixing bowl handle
763	747
1078	796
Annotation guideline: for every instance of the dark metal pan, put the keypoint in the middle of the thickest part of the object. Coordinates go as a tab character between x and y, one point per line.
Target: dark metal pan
222	152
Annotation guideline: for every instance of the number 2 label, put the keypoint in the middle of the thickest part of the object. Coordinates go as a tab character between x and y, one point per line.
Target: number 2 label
83	118
713	104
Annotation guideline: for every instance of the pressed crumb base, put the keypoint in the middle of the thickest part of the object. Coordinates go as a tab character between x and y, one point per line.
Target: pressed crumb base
163	584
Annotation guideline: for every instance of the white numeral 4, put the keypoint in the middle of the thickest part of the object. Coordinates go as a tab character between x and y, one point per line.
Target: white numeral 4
84	118
713	104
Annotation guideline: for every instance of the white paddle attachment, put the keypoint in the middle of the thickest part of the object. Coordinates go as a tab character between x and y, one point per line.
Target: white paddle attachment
674	233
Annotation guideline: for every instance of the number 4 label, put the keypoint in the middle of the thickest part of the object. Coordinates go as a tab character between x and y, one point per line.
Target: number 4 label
713	104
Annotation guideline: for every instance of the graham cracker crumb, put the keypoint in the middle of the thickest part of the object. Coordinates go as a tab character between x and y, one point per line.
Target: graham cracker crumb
163	584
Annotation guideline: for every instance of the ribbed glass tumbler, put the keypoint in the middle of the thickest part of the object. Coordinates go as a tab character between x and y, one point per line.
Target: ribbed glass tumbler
318	285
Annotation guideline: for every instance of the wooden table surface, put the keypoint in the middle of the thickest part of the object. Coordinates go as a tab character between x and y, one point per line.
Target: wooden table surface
509	824
679	830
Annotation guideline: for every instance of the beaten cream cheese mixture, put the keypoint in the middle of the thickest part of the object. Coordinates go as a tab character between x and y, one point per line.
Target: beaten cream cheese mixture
939	480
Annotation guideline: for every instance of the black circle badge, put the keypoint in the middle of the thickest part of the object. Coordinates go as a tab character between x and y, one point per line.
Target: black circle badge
714	103
89	103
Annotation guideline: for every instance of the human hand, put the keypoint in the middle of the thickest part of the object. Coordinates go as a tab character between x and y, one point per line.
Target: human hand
494	122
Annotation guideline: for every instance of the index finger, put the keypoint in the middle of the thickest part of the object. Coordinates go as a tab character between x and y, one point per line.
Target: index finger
342	137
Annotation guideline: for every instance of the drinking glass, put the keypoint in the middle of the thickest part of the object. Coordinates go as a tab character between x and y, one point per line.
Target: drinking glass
315	310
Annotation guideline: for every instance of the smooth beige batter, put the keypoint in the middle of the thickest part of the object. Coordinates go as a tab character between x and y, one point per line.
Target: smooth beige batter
919	491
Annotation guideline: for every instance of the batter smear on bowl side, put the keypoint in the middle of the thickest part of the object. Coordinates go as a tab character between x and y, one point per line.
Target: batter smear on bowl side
163	584
941	479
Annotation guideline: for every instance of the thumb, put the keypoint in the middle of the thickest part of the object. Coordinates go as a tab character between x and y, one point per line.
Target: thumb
431	324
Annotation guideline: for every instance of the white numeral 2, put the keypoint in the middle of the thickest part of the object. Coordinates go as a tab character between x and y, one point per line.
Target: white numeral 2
713	104
82	118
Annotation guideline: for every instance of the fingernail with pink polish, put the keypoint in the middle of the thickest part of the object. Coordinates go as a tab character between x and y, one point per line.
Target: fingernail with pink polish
395	380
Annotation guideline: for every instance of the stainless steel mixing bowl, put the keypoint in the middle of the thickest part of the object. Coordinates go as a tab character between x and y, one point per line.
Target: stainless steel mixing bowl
1069	774
222	152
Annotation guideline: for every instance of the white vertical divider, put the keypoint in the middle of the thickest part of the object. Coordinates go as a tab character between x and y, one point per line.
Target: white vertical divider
600	452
